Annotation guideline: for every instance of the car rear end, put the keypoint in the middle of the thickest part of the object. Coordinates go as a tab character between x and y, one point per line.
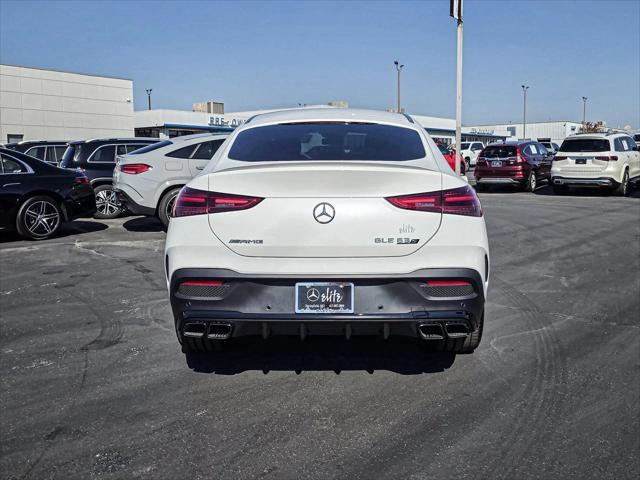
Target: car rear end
312	246
81	200
587	161
137	175
501	164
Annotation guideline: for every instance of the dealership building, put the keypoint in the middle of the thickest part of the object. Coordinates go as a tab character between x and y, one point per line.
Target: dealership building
40	104
554	131
170	123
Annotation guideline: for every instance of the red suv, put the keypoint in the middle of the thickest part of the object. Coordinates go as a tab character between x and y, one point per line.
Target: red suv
449	155
523	164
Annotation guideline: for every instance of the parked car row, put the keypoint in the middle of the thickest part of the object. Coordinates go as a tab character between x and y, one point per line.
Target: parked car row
604	160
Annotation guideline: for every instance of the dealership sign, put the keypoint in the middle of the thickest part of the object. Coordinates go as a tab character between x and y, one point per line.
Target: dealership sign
221	122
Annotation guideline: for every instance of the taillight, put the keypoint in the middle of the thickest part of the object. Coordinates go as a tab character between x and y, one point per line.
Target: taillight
607	158
134	168
559	158
81	180
519	157
457	201
191	201
481	162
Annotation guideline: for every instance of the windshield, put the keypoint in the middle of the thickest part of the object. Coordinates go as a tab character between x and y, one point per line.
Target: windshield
465	146
500	151
151	147
327	141
585	145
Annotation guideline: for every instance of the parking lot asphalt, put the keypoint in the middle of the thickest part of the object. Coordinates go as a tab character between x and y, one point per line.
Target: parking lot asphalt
94	384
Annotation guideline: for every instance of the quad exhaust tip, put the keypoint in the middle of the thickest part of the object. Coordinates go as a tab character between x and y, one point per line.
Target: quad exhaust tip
212	330
438	331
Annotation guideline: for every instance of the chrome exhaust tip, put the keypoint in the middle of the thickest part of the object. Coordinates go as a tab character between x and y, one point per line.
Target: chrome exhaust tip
457	330
431	331
219	330
194	329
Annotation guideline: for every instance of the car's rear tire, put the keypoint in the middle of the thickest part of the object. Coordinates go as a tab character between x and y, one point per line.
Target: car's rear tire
623	188
107	204
165	206
39	218
467	161
532	182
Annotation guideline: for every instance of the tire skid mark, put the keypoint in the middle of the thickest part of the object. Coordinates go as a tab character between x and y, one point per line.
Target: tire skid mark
539	396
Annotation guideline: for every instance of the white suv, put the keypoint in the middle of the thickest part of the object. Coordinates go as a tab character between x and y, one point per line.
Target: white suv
148	180
596	159
470	152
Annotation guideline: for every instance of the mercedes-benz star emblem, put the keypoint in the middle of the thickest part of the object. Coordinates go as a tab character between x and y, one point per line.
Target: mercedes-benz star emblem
324	212
313	294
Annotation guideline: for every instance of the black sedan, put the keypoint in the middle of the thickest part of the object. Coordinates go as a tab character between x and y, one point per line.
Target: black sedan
36	198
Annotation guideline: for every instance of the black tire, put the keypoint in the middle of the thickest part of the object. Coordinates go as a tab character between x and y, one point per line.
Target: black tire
39	218
458	345
560	189
532	182
166	204
107	203
467	162
623	189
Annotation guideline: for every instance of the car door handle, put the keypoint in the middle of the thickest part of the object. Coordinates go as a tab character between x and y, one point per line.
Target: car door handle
199	168
9	184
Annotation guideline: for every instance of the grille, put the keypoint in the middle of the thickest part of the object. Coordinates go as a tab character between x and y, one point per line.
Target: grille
210	291
449	291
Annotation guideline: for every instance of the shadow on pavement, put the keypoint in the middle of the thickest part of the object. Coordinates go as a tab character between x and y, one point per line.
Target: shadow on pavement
399	355
143	224
77	227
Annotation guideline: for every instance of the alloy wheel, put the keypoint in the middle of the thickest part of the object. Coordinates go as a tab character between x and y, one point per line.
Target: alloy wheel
42	218
107	202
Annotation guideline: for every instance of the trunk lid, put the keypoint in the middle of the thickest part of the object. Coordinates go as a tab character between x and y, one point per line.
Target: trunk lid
325	210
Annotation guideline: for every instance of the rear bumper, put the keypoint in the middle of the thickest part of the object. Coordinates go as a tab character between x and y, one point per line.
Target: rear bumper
265	305
134	207
592	182
80	205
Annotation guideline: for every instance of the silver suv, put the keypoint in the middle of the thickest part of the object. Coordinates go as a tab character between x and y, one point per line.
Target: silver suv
148	180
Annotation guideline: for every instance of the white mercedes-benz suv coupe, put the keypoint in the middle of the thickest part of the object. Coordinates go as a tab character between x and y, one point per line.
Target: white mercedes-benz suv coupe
328	221
147	181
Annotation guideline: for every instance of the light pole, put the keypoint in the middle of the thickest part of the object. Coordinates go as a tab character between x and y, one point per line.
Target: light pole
584	111
524	113
149	90
399	69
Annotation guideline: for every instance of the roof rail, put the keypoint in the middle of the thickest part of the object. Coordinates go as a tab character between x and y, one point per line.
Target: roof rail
408	118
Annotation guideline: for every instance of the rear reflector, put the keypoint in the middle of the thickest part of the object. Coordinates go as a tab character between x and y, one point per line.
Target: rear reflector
134	168
457	201
199	202
559	157
447	283
202	283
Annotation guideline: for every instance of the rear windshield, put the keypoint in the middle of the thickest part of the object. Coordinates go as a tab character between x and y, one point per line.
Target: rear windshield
500	151
151	147
327	141
585	145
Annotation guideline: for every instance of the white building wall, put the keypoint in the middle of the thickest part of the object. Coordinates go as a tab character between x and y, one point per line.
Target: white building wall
50	105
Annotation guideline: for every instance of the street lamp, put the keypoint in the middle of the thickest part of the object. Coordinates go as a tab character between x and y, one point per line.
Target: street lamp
399	69
584	111
524	114
149	90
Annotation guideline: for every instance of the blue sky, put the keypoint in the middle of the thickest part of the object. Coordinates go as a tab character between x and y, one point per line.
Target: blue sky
254	55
